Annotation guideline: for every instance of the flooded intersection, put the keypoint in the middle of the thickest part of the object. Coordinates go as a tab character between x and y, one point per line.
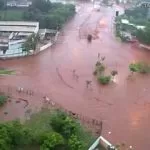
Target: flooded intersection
124	106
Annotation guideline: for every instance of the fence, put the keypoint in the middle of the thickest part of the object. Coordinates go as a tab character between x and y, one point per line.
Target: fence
36	99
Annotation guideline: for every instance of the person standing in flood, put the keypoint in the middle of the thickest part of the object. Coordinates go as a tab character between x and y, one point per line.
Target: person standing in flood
88	83
89	38
98	56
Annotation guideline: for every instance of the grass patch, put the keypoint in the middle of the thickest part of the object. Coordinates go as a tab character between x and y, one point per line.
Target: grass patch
6	72
3	99
140	67
11	15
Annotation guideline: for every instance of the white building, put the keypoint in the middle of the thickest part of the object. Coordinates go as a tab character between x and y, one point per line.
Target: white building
14	33
125	21
19	4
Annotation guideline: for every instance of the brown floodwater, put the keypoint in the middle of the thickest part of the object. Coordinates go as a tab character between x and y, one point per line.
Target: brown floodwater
124	106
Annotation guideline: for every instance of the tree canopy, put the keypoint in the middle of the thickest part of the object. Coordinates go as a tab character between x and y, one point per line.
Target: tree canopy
49	131
144	35
42	5
49	15
53	16
2	4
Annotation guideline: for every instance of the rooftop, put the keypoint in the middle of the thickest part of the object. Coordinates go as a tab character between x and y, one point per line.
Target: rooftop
125	21
18	26
20	23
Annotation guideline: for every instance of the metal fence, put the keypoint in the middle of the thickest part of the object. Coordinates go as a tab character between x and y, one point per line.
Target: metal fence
29	96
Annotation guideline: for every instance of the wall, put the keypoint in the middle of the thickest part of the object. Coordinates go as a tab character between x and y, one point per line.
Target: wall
18	51
45	46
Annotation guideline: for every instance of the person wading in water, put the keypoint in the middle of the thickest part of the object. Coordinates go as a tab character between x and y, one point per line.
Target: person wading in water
74	74
88	83
89	38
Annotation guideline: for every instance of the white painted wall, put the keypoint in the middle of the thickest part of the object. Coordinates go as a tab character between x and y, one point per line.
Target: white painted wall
45	46
99	140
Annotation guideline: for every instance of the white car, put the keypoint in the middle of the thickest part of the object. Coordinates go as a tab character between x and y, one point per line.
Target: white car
97	6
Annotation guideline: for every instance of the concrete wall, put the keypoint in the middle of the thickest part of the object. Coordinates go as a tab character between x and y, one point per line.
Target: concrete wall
45	46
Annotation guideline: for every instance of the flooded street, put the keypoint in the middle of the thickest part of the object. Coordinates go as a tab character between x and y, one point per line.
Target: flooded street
123	106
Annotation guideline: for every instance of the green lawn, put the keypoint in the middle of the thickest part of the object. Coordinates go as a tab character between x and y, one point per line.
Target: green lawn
12	15
6	72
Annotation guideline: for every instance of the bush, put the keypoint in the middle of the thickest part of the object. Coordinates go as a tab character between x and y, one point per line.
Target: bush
52	141
3	99
16	136
139	67
134	67
75	144
63	124
104	79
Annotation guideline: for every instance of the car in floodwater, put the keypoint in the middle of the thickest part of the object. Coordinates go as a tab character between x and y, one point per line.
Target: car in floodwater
97	6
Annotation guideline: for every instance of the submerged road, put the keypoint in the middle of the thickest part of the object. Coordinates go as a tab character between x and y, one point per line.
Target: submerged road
123	106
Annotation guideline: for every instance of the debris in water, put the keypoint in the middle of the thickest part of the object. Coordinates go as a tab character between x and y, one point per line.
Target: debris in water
5	113
109	132
17	101
130	147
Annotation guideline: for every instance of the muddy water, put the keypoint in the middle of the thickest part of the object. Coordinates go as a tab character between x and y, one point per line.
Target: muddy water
123	106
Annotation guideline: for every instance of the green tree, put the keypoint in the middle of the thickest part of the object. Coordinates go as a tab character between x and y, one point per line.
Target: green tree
63	124
137	12
5	140
74	143
2	4
14	134
42	5
53	16
52	141
19	134
144	35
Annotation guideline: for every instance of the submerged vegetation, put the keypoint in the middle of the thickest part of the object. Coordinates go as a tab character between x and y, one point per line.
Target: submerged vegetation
99	72
104	79
3	99
6	72
139	67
